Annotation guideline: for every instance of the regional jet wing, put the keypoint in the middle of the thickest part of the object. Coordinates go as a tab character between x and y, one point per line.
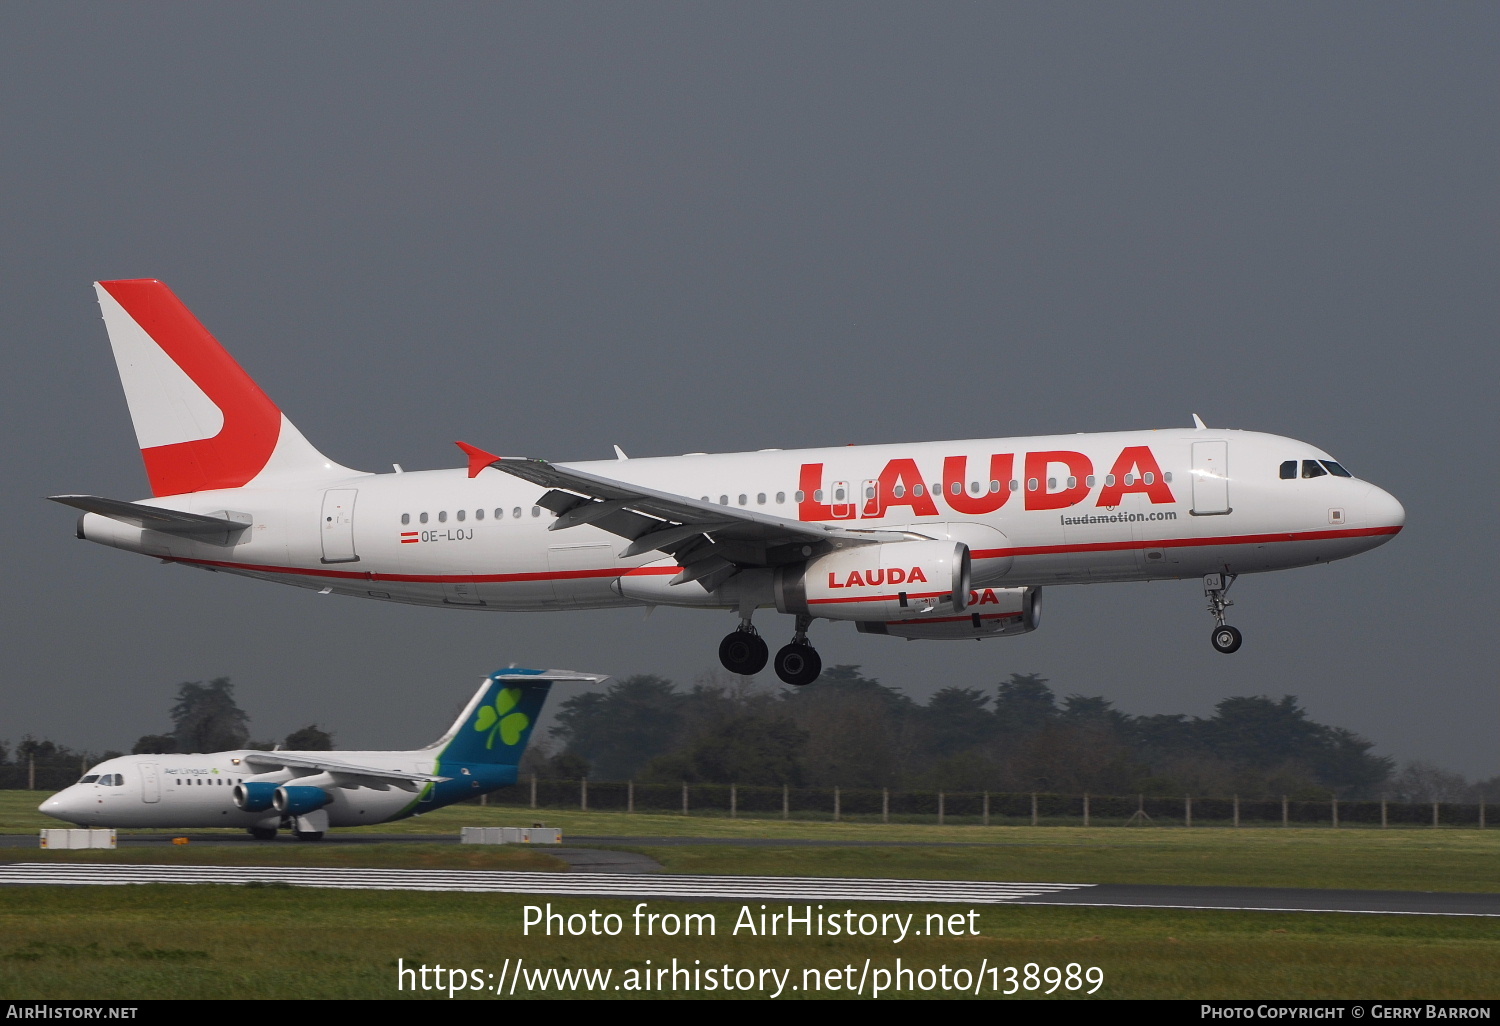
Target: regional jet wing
711	542
345	774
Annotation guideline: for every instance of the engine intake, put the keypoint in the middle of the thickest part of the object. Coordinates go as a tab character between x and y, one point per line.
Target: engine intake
254	795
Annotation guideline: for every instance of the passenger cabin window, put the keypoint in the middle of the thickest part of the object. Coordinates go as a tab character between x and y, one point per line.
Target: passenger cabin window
443	517
461	514
1289	470
516	512
1311	468
479	514
405	519
423	518
1335	469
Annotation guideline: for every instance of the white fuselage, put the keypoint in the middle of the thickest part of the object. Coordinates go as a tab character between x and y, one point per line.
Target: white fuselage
1033	511
193	791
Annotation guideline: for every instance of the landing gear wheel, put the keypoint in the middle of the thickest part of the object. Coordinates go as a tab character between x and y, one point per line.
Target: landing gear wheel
308	835
1227	639
263	833
798	664
743	652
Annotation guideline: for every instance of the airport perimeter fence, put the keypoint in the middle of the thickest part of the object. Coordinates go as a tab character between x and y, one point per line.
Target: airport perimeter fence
981	807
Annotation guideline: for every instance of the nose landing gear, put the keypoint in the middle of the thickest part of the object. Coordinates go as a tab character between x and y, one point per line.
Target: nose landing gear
1225	638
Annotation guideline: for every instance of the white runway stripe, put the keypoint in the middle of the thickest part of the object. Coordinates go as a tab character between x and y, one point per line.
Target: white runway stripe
595	884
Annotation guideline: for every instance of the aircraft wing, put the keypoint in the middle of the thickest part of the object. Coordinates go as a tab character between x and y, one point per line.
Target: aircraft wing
711	542
345	774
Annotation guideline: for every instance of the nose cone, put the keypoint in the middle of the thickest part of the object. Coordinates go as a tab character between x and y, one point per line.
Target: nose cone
1383	512
64	805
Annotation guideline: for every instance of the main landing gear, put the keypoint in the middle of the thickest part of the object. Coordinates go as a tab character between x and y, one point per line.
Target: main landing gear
1225	638
744	652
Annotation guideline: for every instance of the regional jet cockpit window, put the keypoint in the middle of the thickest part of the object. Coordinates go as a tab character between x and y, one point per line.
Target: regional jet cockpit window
1311	468
89	779
1335	469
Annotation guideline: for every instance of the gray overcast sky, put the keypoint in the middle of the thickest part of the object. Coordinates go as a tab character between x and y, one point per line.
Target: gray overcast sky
547	228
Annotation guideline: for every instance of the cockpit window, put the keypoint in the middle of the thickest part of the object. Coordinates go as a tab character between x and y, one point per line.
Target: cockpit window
1289	470
1311	468
89	779
1335	469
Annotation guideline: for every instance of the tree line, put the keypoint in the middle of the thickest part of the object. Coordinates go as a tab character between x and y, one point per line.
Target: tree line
852	731
1016	736
205	718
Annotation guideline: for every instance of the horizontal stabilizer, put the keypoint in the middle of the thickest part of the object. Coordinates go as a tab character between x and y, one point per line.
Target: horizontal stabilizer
154	518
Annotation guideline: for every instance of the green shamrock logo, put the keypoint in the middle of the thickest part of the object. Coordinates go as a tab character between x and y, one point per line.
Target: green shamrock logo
498	718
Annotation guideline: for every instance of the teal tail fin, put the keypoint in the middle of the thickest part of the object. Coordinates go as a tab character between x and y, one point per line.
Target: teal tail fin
497	723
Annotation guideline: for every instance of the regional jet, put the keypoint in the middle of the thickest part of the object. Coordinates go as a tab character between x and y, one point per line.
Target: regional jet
931	540
308	792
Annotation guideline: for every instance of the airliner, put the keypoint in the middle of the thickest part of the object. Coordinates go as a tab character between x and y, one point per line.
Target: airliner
309	792
948	540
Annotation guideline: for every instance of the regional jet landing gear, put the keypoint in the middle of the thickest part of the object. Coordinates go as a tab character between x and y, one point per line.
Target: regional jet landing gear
1226	639
743	651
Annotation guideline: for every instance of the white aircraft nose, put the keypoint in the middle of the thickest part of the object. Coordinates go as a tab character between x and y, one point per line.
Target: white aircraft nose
63	806
1383	510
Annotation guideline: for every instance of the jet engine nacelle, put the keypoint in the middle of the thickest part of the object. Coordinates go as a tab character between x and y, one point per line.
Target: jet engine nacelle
991	613
254	795
888	581
299	799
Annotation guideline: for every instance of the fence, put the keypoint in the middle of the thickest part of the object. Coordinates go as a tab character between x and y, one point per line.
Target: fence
980	807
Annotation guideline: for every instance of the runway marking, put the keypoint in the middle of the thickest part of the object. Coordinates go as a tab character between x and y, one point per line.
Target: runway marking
1257	908
754	888
502	882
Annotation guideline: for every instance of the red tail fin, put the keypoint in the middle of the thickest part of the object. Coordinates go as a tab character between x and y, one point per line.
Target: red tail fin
201	422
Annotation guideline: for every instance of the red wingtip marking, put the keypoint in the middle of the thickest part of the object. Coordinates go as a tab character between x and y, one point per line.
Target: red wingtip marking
478	458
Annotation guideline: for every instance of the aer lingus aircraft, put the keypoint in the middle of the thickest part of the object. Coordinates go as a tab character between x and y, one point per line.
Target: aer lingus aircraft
932	540
308	792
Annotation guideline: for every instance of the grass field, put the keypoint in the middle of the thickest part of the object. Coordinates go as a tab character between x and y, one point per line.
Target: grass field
238	942
269	942
1408	859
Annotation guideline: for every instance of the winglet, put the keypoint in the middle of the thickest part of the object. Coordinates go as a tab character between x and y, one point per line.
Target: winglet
478	458
1197	423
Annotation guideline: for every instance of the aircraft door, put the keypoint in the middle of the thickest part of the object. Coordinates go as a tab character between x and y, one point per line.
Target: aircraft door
869	492
338	525
150	783
1210	479
842	502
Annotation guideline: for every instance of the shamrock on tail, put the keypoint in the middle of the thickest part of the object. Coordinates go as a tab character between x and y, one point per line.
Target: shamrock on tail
495	719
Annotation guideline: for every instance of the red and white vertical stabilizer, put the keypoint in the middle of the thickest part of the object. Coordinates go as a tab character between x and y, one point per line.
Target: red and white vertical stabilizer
201	422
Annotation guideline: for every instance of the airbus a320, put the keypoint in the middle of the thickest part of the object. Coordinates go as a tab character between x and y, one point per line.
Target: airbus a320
945	540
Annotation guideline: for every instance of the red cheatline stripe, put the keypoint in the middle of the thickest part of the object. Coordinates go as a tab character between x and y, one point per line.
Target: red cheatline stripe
881	598
568	575
1240	539
351	575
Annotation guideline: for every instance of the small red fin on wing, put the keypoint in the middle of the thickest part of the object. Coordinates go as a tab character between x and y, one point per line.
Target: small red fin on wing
478	458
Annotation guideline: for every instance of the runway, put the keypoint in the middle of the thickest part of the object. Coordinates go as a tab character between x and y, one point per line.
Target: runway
771	888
